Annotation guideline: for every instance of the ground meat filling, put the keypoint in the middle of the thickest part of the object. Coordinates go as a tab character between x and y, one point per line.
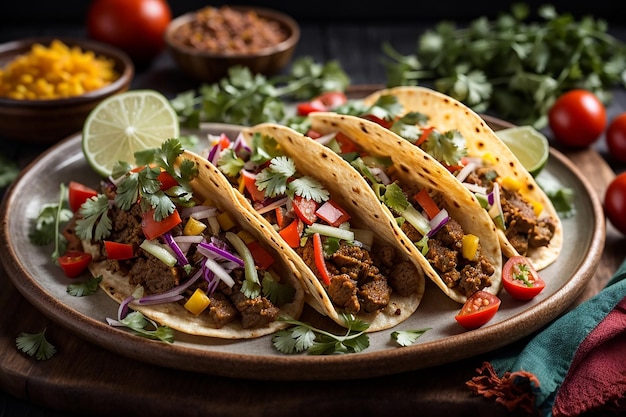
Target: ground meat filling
524	230
227	304
362	281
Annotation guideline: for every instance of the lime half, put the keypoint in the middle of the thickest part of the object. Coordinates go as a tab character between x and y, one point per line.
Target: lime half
529	145
126	123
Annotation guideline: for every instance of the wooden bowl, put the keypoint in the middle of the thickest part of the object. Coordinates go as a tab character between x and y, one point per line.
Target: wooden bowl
209	67
48	121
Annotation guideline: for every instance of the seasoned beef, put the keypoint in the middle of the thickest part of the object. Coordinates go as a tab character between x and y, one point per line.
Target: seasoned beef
127	225
411	232
153	275
343	292
404	278
374	294
255	312
542	233
473	278
221	310
523	229
451	234
440	256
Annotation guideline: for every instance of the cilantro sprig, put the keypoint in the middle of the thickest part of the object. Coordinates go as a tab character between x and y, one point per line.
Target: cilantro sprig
511	65
35	344
46	227
303	337
144	327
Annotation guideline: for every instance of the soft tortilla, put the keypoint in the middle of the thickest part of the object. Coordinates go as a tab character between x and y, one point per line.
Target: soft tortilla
446	113
211	184
417	167
351	191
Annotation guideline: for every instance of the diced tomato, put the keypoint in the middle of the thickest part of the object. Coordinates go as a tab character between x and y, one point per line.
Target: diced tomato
326	101
152	228
79	193
291	234
384	123
520	279
167	180
313	134
249	181
320	263
74	263
427	203
223	141
308	107
262	258
119	251
479	308
305	209
332	213
425	133
346	144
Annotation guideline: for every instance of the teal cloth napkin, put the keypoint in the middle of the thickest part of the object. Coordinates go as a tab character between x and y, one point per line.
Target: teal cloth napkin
545	362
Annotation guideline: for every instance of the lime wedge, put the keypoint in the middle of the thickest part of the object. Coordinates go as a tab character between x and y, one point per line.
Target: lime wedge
126	123
529	145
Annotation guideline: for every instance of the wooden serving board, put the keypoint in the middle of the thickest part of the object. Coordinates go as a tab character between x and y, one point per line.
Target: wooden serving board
85	378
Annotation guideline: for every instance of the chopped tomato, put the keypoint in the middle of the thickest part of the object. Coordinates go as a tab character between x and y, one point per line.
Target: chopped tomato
332	213
223	141
152	228
262	258
520	279
291	234
305	209
78	194
320	263
74	263
119	251
384	123
309	107
479	308
346	144
427	203
313	134
167	180
326	101
249	181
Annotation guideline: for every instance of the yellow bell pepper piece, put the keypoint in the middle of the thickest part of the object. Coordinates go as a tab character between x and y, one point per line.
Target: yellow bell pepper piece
488	158
193	227
198	302
537	207
246	236
469	246
511	184
226	221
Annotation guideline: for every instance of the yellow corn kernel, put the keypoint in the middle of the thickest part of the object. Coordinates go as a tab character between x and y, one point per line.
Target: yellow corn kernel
246	236
470	246
488	158
537	207
511	184
193	227
225	220
198	302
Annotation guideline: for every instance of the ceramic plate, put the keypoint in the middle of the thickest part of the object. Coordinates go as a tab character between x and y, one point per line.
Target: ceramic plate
44	285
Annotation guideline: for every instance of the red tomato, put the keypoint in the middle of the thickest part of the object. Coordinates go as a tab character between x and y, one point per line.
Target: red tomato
577	118
479	308
78	194
74	263
384	123
262	258
326	101
152	228
291	234
520	279
119	251
305	209
616	138
166	180
332	213
615	202
249	181
135	26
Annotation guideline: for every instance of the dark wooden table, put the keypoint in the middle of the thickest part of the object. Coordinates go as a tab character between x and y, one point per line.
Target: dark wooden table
71	383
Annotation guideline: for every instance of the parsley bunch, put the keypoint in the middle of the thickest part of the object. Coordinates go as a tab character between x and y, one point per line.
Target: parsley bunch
244	98
513	66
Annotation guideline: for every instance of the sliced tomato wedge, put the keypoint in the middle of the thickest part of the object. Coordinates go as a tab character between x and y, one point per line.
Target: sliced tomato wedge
332	213
119	251
152	228
479	308
520	279
249	181
291	234
305	209
79	193
326	101
74	263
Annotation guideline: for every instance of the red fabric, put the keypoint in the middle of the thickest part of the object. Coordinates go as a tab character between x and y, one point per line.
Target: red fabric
596	380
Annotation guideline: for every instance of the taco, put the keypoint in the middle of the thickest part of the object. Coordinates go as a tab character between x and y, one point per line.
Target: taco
206	269
453	238
349	253
527	222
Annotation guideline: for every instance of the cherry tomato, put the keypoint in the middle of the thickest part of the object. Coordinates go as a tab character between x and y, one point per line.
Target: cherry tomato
615	202
616	138
577	118
479	308
79	193
135	26
326	101
520	279
119	251
74	263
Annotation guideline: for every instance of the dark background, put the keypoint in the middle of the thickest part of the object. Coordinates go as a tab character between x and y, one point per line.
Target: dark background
64	11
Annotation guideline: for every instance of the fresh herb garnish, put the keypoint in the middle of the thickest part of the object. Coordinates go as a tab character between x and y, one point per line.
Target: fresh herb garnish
87	287
280	177
46	228
247	99
407	337
35	344
8	171
279	294
511	65
303	337
145	327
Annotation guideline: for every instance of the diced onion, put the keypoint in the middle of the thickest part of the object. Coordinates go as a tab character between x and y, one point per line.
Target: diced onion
438	221
219	272
465	171
475	188
380	174
271	206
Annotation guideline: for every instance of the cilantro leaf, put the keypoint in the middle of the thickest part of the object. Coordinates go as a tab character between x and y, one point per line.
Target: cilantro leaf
407	337
147	328
88	287
94	222
35	344
279	294
229	163
448	147
309	188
